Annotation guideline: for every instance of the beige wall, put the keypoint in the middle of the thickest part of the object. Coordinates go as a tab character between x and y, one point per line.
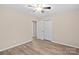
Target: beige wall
15	27
66	28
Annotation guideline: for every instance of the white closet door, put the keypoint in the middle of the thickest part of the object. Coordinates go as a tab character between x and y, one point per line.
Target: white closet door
40	30
45	30
48	30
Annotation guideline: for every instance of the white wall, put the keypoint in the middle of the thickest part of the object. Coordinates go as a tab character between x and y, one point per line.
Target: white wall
66	28
15	27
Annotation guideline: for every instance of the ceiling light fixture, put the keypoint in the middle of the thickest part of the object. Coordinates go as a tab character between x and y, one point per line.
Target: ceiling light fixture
40	7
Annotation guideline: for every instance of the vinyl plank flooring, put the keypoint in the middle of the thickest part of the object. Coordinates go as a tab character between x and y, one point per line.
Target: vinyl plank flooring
41	47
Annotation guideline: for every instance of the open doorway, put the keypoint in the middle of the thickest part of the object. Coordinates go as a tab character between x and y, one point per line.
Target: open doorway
34	29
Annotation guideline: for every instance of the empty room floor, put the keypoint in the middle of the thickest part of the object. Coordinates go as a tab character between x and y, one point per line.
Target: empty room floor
41	47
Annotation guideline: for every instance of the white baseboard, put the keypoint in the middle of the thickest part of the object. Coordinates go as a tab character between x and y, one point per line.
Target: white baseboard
15	45
66	44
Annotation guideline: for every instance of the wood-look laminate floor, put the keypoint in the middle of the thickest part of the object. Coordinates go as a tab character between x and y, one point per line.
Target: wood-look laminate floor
41	47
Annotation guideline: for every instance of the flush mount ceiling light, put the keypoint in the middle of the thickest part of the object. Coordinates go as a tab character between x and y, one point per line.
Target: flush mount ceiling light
39	7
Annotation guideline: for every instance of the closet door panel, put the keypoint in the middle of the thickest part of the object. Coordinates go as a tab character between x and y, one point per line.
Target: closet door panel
44	30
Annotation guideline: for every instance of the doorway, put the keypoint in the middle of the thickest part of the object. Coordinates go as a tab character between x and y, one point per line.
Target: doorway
34	29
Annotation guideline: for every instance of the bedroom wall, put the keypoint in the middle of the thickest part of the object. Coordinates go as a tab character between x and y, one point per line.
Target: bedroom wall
66	28
15	27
